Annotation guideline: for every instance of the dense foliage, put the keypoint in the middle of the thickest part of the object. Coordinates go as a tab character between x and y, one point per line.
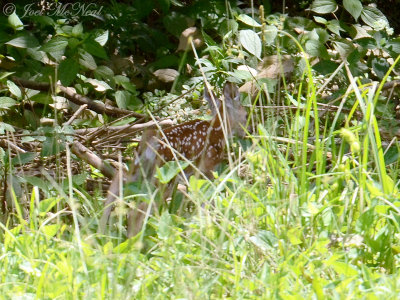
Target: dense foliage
307	205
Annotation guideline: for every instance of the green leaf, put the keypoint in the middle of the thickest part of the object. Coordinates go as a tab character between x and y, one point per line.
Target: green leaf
380	66
320	20
344	47
43	98
121	98
164	5
38	55
334	26
77	30
248	20
23	158
164	225
344	269
56	44
39	182
24	41
67	71
7	102
270	34
316	48
228	26
367	43
95	49
104	72
51	146
354	7
102	38
50	230
251	42
98	85
47	204
15	21
119	79
6	127
169	170
325	67
374	18
129	87
324	6
393	47
87	60
14	89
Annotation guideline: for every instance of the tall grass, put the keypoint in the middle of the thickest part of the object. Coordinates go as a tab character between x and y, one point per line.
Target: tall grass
304	214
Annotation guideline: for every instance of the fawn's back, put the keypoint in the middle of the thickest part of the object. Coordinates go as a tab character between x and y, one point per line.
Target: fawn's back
200	141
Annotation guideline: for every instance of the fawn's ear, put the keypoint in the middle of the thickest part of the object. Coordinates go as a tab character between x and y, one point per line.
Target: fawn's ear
213	102
231	93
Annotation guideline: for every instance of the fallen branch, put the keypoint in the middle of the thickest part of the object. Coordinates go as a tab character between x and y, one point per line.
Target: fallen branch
92	159
72	96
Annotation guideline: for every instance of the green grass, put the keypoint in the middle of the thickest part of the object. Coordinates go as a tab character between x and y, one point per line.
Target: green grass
299	217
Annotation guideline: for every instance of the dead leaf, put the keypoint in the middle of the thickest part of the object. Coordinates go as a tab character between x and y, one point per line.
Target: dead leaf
166	75
191	33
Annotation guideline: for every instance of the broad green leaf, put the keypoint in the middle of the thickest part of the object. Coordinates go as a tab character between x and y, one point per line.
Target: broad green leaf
99	85
316	48
380	66
23	158
325	67
324	6
77	30
6	127
15	21
43	98
374	18
67	71
87	60
228	26
121	98
294	235
51	146
5	74
248	20
95	49
270	34
320	20
47	204
104	72
119	79
7	102
169	170
354	7
24	41
40	183
367	43
251	42
343	268
14	89
56	44
50	230
393	47
38	55
344	47
164	5
129	87
164	225
334	26
102	38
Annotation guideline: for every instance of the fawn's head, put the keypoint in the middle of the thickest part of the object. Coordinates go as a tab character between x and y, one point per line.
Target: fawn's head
231	109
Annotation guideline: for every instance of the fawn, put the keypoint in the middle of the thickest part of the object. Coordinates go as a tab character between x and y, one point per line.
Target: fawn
200	141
